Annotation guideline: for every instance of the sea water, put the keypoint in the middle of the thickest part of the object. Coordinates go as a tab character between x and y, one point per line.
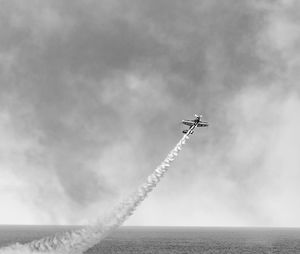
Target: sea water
181	240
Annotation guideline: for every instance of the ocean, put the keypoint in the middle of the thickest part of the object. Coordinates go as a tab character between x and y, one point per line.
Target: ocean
175	240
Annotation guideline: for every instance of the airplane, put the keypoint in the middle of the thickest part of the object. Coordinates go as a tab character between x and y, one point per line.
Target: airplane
197	122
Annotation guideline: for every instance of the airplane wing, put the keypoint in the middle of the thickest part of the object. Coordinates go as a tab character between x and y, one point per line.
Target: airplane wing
202	124
188	122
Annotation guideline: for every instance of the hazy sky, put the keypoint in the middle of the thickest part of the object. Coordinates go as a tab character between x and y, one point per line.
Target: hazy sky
92	93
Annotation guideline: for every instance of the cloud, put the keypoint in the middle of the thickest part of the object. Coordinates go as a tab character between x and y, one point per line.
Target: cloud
92	93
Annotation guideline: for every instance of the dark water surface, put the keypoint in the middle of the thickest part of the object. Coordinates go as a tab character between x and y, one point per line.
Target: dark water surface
162	240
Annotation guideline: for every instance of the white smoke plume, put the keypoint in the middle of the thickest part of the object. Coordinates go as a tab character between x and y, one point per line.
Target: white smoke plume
78	241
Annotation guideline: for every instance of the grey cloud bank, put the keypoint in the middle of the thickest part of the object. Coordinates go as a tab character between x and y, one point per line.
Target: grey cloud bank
91	93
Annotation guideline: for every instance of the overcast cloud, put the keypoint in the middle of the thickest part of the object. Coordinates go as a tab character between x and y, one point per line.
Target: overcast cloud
92	93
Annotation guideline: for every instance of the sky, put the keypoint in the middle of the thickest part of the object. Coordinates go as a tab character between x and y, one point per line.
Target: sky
92	94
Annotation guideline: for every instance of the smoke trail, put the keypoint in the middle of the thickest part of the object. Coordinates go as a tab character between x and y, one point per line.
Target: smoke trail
78	241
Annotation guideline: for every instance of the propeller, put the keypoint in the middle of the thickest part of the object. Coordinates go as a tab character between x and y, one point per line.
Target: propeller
198	116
